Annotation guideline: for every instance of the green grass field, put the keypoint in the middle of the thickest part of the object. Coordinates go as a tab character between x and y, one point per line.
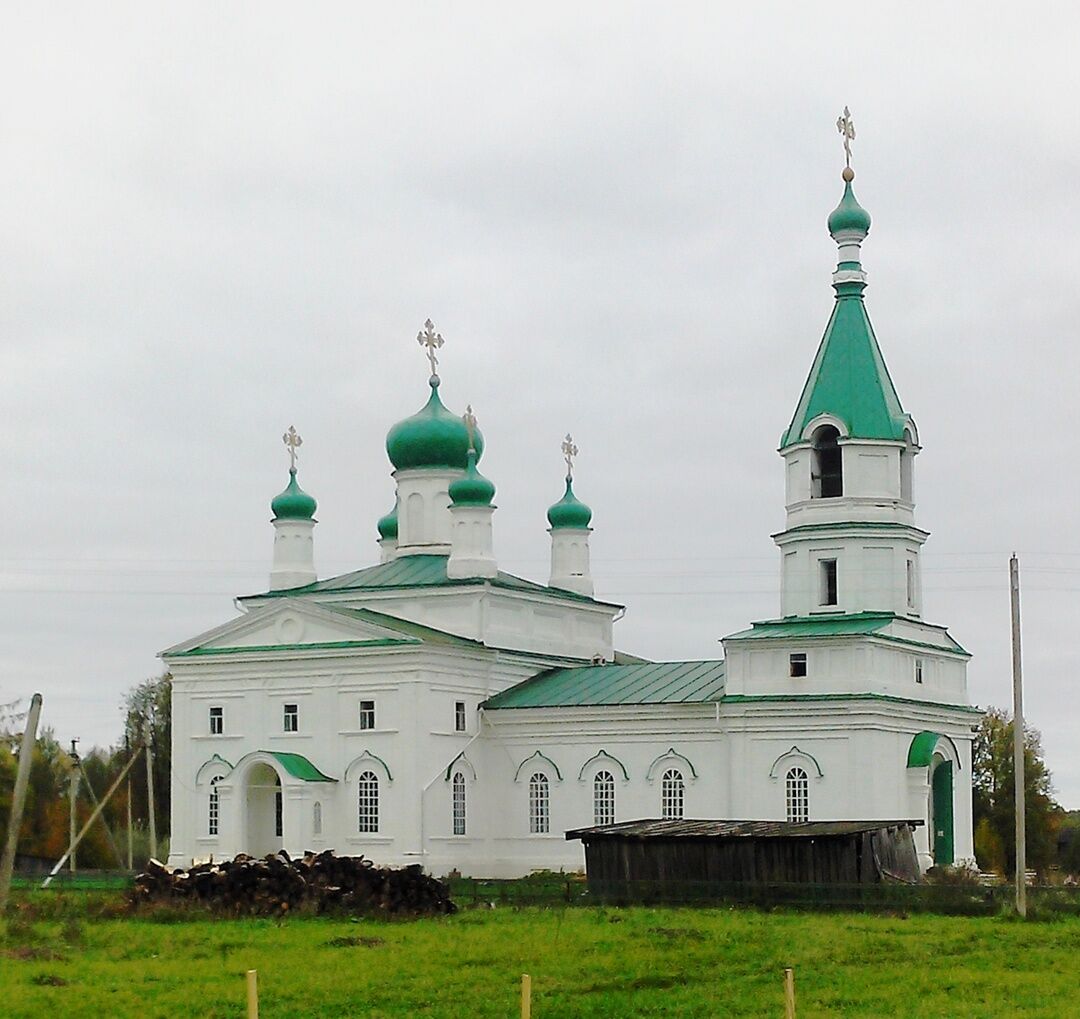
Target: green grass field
592	962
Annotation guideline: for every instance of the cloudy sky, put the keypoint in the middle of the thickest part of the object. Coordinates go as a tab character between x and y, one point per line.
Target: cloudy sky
233	218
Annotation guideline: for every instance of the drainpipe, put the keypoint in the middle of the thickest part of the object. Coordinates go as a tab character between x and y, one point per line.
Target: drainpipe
435	778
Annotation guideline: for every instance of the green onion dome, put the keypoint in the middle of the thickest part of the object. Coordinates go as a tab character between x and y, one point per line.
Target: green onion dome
294	503
387	525
849	214
569	511
472	488
432	437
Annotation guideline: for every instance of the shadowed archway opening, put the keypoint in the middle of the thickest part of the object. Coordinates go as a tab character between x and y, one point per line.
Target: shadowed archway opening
262	801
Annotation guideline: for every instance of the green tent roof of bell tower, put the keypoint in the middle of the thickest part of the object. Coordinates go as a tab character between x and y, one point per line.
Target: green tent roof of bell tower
849	380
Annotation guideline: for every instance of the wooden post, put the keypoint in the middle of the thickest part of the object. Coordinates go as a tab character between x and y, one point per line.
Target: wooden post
150	794
253	994
130	860
18	799
526	996
789	994
1018	738
73	814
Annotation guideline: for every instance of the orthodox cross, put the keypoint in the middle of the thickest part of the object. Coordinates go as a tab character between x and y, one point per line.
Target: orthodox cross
846	126
292	442
470	426
569	451
432	341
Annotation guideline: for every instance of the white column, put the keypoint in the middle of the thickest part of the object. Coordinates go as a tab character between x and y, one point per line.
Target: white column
472	543
570	559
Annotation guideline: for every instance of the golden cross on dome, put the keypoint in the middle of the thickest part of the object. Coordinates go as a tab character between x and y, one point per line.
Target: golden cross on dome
432	341
470	426
292	442
569	451
846	126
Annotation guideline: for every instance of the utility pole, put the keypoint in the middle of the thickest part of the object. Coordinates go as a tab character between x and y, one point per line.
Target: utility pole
127	752
73	796
18	799
150	791
1018	738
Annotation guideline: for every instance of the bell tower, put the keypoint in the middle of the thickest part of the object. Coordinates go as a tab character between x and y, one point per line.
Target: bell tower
850	543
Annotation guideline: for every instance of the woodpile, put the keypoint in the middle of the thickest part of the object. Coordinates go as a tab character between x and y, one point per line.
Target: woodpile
277	884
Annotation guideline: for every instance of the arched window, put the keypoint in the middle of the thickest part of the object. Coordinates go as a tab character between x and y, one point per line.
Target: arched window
603	798
316	818
671	794
367	799
539	805
458	798
827	473
798	795
907	455
213	810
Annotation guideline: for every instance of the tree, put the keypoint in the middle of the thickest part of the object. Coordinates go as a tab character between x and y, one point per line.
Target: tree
149	705
994	801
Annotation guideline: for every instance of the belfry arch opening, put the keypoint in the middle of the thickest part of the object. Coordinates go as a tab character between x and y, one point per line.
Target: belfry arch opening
827	472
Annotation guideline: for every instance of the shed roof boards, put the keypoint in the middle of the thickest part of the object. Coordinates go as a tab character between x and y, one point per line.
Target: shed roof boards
419	571
637	683
653	828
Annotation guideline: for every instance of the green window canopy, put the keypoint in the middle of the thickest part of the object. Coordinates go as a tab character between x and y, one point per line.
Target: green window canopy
921	751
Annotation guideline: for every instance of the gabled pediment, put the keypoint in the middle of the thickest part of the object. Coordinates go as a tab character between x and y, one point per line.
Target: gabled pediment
292	625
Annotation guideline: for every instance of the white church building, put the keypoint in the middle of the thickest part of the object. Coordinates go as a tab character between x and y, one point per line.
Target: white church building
433	709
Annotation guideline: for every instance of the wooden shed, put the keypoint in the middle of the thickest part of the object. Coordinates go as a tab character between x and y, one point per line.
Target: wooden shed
820	852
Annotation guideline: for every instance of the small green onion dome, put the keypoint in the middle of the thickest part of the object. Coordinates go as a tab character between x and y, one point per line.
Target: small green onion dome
569	511
294	503
432	437
472	489
387	525
849	214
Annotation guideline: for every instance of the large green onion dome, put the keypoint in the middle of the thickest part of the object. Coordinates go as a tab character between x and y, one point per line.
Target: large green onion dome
849	214
294	503
569	511
387	525
472	488
432	437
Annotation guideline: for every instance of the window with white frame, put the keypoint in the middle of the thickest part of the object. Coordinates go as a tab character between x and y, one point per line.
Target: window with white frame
827	582
798	795
459	716
213	810
603	798
367	802
672	790
291	718
316	818
217	721
539	805
918	670
367	714
458	802
797	664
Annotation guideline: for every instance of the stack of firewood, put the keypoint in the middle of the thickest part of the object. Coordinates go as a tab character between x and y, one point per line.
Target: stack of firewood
276	884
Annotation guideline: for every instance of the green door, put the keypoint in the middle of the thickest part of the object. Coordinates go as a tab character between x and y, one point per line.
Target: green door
943	814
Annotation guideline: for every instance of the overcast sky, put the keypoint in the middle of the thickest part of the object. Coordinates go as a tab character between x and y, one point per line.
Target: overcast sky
222	221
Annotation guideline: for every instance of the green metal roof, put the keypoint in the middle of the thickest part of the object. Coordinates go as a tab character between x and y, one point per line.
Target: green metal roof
841	625
417	571
299	766
849	379
639	683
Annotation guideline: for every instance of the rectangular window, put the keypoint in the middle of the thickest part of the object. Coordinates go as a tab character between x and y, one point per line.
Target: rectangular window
918	670
827	570
367	714
911	583
291	718
217	721
459	716
797	664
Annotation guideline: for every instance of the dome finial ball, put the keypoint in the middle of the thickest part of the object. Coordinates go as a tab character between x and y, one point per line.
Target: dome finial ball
848	174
